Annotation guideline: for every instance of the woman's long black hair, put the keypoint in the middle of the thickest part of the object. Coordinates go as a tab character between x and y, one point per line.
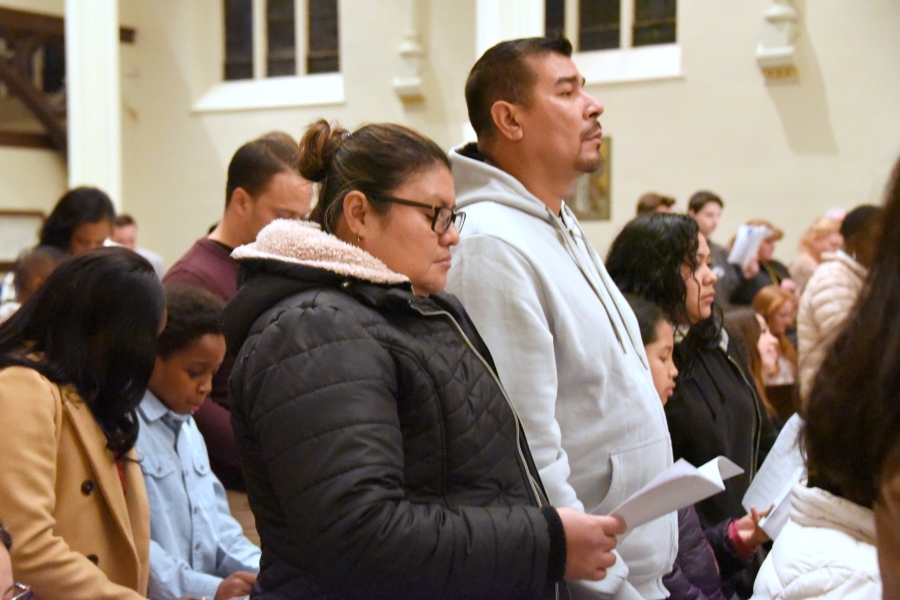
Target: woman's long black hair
76	207
853	415
93	324
645	260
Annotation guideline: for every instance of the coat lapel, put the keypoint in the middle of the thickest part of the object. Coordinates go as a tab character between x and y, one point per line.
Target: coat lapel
93	442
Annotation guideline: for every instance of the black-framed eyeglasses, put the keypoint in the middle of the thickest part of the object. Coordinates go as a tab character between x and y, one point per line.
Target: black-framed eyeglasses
443	216
22	592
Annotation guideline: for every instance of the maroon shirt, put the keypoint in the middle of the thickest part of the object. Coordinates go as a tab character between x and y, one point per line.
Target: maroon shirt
209	265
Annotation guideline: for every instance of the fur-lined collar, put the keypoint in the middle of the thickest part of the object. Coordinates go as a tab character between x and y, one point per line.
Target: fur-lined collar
304	243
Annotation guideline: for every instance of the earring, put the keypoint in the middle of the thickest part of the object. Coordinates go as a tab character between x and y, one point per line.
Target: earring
357	239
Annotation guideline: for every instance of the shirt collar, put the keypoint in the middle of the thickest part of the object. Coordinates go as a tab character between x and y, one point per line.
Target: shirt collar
154	409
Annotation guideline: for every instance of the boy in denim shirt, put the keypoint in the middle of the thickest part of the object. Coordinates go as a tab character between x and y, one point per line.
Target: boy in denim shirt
196	548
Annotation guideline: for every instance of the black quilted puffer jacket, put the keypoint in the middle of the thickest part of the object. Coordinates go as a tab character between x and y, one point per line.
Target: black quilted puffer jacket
381	455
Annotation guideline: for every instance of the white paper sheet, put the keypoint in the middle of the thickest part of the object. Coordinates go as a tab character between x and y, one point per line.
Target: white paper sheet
772	485
747	243
680	485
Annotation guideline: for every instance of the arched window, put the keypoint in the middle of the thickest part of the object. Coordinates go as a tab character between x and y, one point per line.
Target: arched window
609	24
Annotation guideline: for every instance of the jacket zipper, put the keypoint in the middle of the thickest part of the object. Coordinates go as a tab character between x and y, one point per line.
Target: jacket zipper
538	496
524	464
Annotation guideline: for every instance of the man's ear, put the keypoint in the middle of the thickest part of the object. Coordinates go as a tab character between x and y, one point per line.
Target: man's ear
241	201
506	119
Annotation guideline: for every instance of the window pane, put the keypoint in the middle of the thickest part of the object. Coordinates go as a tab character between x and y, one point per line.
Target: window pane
54	66
554	17
238	39
654	22
322	55
598	25
282	55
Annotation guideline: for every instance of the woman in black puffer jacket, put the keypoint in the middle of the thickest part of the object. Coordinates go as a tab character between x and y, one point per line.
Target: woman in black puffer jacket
382	457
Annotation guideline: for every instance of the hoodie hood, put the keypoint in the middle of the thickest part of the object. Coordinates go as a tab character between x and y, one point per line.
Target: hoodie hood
289	257
477	181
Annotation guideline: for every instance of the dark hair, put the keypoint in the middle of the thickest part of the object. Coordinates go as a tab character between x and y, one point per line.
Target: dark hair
93	324
648	317
39	261
124	221
743	327
77	207
645	260
853	415
503	74
649	202
859	220
701	199
192	312
255	163
374	160
5	538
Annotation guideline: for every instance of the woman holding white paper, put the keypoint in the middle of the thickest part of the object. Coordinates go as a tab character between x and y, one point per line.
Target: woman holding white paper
715	410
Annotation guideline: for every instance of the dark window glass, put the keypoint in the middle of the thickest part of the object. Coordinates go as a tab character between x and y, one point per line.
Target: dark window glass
322	54
54	66
282	55
238	39
598	25
554	17
654	22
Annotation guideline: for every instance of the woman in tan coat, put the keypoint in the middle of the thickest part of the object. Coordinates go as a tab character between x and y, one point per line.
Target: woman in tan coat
74	364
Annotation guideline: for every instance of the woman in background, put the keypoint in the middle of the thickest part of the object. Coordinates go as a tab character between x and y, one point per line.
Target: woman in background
777	306
759	349
715	410
770	272
74	363
822	237
81	220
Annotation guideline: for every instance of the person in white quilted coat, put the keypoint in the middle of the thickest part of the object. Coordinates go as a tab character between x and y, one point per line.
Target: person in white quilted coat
832	292
826	551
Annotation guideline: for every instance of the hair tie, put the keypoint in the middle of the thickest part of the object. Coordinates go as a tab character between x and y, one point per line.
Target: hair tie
345	135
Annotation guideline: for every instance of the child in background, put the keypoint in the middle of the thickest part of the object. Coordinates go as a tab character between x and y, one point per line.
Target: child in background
197	548
706	560
31	269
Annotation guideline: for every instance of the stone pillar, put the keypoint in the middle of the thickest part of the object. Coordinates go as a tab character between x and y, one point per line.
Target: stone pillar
94	111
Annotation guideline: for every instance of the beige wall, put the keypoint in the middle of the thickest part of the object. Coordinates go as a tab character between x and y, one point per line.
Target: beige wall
784	151
787	152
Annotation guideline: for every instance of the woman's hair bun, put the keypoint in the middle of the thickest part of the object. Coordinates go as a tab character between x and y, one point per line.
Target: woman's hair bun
317	148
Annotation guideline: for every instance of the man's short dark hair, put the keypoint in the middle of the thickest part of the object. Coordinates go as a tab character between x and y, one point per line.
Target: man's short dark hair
124	221
859	220
701	199
255	163
37	262
502	74
649	202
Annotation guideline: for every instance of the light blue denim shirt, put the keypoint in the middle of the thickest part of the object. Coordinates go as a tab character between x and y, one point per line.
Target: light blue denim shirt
194	540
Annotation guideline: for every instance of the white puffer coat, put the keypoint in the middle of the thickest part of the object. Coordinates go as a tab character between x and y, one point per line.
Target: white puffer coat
826	551
829	298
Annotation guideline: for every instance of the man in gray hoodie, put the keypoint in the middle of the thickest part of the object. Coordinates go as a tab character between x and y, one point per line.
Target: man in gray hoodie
566	344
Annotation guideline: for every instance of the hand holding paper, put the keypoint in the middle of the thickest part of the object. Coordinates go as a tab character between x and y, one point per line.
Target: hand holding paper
746	244
680	485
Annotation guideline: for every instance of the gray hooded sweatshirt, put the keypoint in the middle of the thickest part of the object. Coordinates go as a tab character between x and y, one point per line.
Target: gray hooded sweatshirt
569	353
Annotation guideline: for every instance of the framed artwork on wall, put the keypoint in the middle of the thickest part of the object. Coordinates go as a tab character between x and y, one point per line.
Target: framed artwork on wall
589	198
19	230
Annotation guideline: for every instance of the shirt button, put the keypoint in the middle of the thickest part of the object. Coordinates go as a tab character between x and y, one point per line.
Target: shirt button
195	510
197	546
87	488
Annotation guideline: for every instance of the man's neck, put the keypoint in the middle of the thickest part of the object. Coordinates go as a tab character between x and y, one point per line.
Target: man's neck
546	189
226	235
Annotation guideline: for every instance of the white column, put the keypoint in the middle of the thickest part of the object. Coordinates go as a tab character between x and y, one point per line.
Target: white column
94	111
408	82
499	20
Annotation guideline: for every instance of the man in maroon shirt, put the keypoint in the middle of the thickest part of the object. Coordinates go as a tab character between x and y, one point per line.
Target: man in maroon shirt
263	185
